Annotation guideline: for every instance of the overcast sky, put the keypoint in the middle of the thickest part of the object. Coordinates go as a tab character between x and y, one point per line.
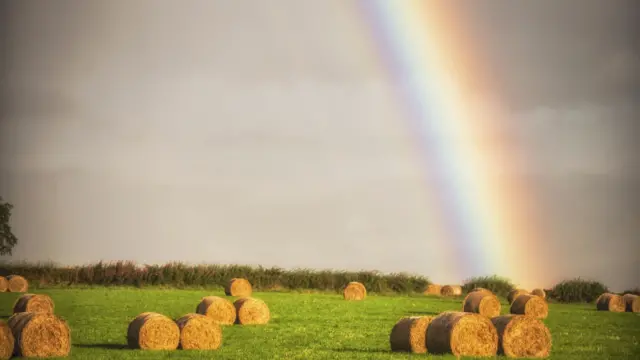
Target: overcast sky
244	132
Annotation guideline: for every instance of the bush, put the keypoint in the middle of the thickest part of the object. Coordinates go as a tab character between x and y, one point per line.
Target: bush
578	290
496	284
181	275
635	291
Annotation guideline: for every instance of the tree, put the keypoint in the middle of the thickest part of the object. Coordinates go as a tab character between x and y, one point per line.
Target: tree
7	239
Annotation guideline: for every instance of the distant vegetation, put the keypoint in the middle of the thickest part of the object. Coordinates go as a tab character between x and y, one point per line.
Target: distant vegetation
496	284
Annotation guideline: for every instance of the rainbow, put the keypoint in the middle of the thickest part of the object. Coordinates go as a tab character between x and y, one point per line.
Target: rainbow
472	165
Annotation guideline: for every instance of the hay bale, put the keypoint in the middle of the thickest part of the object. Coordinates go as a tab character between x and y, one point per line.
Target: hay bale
632	302
483	303
251	311
462	334
410	334
39	303
522	336
451	290
610	302
7	342
4	284
354	291
219	309
199	332
432	289
513	294
17	283
238	287
539	292
39	335
153	331
530	305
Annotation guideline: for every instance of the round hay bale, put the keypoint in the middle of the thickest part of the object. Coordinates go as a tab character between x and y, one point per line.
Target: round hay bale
39	335
410	334
610	302
251	311
199	332
219	309
238	287
17	283
4	284
153	331
432	289
513	294
7	341
451	290
632	302
462	334
480	289
354	291
483	303
522	336
539	292
39	303
530	305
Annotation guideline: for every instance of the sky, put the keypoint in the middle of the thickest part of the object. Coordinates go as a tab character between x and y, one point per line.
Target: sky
244	133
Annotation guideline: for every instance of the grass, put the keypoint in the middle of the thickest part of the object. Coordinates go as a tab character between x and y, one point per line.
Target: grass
311	326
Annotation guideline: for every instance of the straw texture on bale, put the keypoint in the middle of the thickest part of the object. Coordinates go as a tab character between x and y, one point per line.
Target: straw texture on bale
354	291
238	287
219	309
451	290
610	302
199	332
539	292
483	303
632	302
432	289
39	303
530	305
409	334
251	311
153	331
462	334
513	294
39	335
522	336
7	342
17	283
4	284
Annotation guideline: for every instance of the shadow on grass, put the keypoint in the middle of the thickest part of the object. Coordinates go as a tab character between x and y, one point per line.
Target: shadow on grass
5	317
102	346
370	351
434	313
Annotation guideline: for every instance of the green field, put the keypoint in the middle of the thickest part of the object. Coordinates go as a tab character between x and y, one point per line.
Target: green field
311	326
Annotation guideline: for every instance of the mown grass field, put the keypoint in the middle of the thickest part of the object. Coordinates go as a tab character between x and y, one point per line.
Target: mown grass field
311	326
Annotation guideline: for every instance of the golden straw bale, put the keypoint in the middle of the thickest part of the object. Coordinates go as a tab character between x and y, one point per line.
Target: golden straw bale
432	289
410	334
4	284
462	334
251	311
522	336
219	309
7	342
483	303
632	302
513	294
17	283
530	305
539	292
153	331
199	332
451	290
610	302
238	287
39	303
39	335
354	291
